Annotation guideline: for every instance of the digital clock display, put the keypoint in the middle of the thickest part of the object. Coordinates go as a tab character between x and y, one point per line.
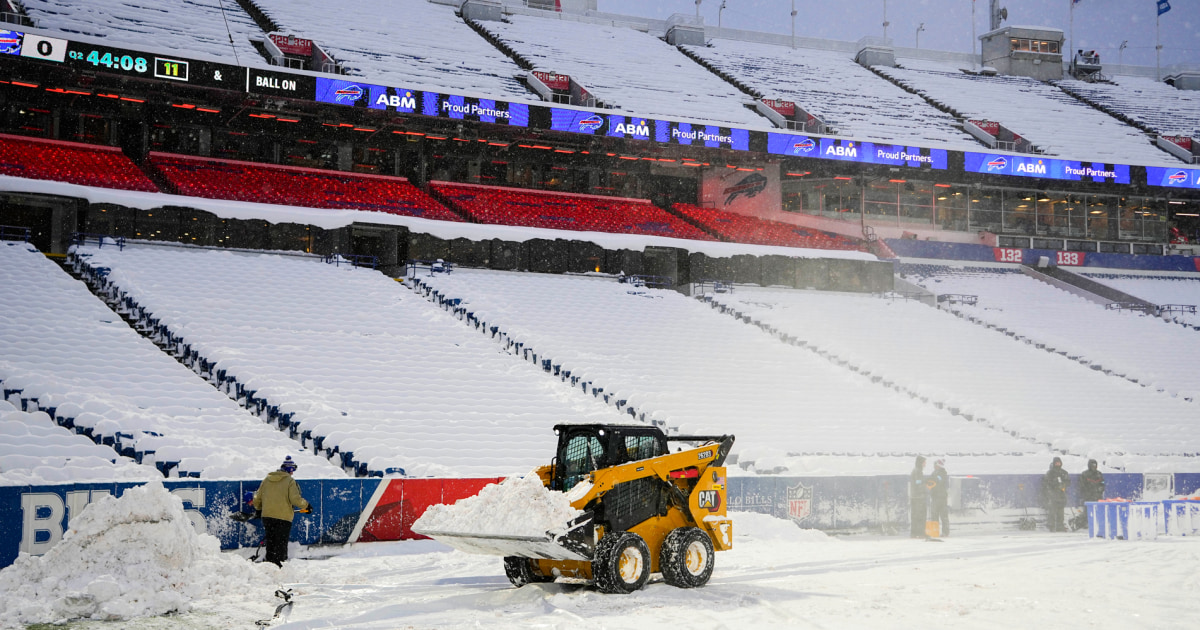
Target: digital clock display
108	59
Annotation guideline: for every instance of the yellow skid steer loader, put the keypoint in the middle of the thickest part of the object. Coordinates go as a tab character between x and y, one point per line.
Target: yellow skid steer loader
645	510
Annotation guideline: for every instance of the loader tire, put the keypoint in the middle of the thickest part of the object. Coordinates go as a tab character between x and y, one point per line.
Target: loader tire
520	572
686	559
621	563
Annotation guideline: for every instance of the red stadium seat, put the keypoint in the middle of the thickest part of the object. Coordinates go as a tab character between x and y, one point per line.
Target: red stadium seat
565	211
741	228
71	162
293	186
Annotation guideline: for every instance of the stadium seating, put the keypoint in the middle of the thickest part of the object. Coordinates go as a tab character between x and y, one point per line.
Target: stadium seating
221	31
84	164
1153	104
563	211
1054	121
626	69
368	374
741	228
691	369
288	185
1014	386
1137	346
403	43
66	353
831	86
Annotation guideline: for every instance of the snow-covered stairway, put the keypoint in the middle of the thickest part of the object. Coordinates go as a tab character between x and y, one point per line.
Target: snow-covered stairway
678	365
346	361
64	353
977	371
1141	348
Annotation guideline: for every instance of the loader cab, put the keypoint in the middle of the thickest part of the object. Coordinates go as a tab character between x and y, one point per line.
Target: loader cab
583	448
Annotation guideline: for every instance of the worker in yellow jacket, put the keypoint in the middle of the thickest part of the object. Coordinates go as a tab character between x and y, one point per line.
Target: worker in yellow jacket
276	497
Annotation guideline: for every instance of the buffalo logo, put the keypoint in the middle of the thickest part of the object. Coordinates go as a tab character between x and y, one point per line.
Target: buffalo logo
10	43
348	93
591	123
750	186
1178	177
804	146
709	500
800	500
997	164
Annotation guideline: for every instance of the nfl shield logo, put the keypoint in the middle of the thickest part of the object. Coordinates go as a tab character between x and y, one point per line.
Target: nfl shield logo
800	499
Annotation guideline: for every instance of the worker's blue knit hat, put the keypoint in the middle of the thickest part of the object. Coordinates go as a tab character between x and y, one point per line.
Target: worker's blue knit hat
288	466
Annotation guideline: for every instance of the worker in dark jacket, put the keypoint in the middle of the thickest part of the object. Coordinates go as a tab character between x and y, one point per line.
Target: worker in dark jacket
917	493
939	496
1054	495
1091	485
277	496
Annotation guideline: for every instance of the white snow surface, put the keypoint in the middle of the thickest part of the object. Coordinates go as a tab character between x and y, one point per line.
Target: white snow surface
1159	288
360	360
1048	117
831	86
627	69
1158	354
776	576
696	371
1011	385
125	558
403	43
1161	107
66	350
517	506
196	28
34	450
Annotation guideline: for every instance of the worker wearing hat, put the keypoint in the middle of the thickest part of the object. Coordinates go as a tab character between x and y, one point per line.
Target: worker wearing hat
939	494
276	497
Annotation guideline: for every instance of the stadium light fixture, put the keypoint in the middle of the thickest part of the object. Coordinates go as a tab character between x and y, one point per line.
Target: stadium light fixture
919	29
1186	214
793	23
722	8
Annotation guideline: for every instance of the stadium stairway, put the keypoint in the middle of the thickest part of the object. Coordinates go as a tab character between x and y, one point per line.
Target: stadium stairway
175	346
523	350
878	379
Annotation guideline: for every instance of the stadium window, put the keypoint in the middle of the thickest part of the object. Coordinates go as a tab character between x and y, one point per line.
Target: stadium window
1052	217
882	200
950	207
916	202
985	210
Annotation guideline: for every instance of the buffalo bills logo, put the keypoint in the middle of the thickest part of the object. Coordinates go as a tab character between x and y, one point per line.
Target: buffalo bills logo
1179	177
591	123
10	43
348	93
750	186
804	146
997	164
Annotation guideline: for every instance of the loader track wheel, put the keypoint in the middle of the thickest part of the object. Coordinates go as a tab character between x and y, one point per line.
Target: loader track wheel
520	572
621	563
686	559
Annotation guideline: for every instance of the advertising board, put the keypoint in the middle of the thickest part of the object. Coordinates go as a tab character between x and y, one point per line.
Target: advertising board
853	151
1044	168
1173	177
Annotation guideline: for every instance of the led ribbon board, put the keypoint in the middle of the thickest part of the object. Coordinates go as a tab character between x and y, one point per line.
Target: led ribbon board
131	63
853	151
664	131
1172	177
1045	168
372	96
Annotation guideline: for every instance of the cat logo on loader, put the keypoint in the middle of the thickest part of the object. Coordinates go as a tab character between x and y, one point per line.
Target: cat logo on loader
645	510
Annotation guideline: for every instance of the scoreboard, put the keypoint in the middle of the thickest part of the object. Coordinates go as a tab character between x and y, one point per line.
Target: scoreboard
131	63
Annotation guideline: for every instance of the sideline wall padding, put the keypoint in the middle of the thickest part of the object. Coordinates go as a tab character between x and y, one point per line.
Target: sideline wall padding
34	518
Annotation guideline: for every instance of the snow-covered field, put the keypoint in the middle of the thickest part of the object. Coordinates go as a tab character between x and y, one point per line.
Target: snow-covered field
776	576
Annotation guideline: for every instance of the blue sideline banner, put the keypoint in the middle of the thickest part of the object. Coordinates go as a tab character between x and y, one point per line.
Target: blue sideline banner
34	518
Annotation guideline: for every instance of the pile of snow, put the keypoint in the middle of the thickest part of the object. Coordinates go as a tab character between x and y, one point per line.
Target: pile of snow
517	506
764	528
123	558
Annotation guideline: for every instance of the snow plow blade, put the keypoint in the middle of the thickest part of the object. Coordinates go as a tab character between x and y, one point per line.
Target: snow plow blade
575	544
